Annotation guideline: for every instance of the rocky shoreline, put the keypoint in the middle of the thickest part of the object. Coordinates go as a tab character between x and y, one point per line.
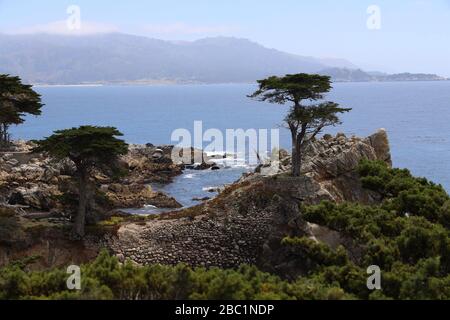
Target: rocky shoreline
35	183
214	233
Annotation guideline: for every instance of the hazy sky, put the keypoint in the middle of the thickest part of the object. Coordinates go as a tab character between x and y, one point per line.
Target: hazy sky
414	34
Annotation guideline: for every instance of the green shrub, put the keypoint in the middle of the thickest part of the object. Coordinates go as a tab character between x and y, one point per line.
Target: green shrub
105	278
407	236
405	194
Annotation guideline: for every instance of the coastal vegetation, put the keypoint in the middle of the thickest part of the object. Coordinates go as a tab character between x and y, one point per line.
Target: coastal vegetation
16	101
90	149
305	121
105	278
406	235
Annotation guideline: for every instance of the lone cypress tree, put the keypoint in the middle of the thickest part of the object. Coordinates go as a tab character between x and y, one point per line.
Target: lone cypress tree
16	100
305	121
89	148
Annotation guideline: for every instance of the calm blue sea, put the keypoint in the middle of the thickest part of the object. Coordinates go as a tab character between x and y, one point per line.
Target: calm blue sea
415	114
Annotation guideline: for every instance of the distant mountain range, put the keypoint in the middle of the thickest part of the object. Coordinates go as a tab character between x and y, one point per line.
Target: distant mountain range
121	58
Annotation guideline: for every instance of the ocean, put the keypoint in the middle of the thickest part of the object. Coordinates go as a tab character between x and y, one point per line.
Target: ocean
415	114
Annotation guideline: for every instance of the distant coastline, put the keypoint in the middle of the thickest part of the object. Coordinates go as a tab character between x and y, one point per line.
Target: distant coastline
43	85
177	83
121	59
358	75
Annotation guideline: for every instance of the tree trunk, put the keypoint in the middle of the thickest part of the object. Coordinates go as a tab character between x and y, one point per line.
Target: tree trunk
3	133
299	156
4	136
80	219
295	155
297	139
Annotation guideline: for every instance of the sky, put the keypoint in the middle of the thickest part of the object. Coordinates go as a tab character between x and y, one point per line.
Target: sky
384	35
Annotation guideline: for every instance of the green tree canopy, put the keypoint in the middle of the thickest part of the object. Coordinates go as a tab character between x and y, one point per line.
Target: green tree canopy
292	88
16	101
305	121
89	148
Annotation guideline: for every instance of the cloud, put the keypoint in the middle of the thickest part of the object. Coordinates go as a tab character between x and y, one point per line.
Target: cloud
63	28
182	29
177	30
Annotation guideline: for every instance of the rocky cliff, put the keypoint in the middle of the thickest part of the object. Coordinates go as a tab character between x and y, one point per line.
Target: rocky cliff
248	220
38	199
36	183
244	224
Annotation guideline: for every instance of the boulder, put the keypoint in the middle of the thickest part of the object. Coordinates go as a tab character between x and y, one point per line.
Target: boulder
12	162
158	154
137	196
149	164
380	143
38	197
201	199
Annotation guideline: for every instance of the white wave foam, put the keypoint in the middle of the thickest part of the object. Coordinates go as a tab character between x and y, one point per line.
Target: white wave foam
234	163
210	188
217	153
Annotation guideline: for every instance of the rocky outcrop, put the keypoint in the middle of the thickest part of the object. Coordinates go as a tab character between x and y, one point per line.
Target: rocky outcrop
199	241
137	196
39	183
41	244
248	220
244	224
149	164
42	196
332	165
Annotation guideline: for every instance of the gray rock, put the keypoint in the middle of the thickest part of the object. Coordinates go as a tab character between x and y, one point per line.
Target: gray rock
12	162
